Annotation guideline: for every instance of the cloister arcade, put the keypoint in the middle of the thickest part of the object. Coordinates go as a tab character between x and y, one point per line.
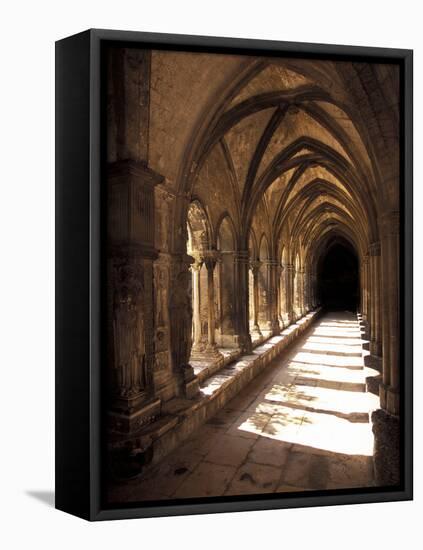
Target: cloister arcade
258	189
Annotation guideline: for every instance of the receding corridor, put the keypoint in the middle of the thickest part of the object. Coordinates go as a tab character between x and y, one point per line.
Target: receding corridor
303	424
262	192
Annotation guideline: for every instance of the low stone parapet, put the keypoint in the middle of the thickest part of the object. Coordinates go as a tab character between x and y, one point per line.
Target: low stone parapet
181	417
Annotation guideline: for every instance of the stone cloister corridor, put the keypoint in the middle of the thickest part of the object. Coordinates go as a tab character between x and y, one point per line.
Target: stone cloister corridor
253	270
303	424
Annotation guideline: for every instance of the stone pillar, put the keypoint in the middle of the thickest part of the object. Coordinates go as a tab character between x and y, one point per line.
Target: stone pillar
280	302
389	390
131	255
266	298
365	287
313	289
289	279
273	266
306	292
301	294
210	258
197	334
375	324
242	336
254	267
226	269
128	104
180	314
296	294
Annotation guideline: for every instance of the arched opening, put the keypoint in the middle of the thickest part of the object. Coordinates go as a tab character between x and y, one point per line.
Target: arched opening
283	310
239	212
297	287
198	242
253	290
338	277
263	279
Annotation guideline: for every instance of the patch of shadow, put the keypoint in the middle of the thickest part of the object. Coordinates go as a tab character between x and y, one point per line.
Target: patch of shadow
46	497
248	477
318	476
216	421
180	471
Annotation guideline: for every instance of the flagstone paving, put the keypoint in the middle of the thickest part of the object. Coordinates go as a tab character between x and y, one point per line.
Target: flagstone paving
301	425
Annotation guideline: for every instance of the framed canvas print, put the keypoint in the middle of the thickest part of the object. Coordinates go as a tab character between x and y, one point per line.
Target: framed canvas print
234	274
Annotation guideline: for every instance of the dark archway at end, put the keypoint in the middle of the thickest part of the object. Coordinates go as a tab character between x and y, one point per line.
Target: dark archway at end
338	277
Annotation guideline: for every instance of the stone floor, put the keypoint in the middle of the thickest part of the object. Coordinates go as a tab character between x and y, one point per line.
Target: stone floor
303	424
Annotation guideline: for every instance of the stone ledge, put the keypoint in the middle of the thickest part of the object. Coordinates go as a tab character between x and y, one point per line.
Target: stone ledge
204	369
181	417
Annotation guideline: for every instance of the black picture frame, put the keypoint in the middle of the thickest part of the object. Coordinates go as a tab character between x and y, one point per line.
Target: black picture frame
79	294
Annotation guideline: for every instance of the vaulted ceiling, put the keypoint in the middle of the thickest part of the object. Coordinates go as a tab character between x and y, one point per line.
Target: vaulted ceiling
288	148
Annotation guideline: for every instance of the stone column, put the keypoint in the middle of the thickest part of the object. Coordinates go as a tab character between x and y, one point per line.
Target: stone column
242	336
301	299
274	266
306	292
254	267
131	254
296	296
210	258
313	289
226	299
266	303
289	276
389	390
279	281
197	334
375	328
363	289
365	283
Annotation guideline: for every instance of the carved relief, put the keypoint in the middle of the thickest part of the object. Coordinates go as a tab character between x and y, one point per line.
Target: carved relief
164	215
181	320
161	286
128	330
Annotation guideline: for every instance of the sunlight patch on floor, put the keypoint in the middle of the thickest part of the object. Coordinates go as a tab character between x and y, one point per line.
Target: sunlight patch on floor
319	400
334	360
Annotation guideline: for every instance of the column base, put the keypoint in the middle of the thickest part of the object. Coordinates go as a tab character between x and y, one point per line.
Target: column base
244	342
376	348
373	383
227	341
209	353
256	330
386	456
197	352
133	420
192	388
389	399
276	328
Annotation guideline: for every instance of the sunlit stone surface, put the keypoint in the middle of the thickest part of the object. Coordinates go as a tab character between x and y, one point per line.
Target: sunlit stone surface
292	429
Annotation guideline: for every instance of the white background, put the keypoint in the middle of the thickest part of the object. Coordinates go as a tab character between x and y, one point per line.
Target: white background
28	32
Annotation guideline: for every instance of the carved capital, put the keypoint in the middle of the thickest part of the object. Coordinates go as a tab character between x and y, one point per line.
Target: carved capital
131	206
242	257
255	266
210	258
196	266
271	262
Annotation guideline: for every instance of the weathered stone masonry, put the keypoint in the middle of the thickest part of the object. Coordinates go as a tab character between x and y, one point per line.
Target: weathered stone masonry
228	179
